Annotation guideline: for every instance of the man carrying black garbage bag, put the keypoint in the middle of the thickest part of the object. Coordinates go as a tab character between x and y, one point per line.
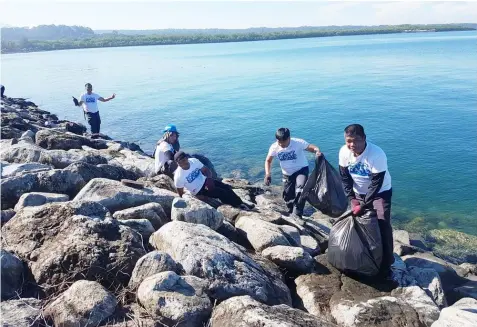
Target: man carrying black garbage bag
367	184
291	153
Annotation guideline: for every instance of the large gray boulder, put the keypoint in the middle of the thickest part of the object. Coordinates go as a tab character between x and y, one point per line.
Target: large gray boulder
61	159
90	171
230	213
416	298
150	211
310	245
448	273
12	275
176	300
244	311
55	140
142	226
262	234
264	214
7	215
116	196
51	181
138	163
192	210
85	303
71	241
21	153
429	280
271	201
30	153
316	290
159	181
293	259
152	263
205	253
39	198
468	289
357	304
463	313
21	313
9	170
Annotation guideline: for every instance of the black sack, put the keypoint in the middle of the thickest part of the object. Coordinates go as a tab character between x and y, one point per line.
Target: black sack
355	244
324	190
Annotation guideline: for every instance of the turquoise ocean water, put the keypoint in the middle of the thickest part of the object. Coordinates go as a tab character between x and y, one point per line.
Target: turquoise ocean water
415	94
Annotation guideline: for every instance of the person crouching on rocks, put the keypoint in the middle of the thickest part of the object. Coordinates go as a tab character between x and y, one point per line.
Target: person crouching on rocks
193	176
89	102
2	91
166	147
291	153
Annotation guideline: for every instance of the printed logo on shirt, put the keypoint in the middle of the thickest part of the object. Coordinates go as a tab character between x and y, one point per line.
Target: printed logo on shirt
285	156
90	100
359	168
193	175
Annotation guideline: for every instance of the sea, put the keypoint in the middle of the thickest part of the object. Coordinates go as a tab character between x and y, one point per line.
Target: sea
414	93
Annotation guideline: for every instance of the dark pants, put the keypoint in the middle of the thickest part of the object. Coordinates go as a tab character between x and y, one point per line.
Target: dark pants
94	121
292	189
382	205
218	190
2	90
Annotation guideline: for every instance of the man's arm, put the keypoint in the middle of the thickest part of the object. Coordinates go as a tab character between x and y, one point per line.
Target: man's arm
313	148
80	102
107	99
268	167
377	180
206	172
347	182
180	191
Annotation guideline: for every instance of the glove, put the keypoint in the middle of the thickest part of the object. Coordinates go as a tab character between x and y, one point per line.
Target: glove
356	207
75	101
267	180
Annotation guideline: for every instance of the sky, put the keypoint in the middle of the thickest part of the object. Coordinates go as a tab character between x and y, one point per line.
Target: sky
137	15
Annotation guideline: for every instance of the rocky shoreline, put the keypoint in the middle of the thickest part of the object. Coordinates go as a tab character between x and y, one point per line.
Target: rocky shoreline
90	237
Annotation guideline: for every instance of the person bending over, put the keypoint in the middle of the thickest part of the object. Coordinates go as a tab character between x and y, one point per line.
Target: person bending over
290	151
194	177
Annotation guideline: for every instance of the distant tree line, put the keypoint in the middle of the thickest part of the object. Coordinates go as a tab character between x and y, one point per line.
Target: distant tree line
116	39
45	32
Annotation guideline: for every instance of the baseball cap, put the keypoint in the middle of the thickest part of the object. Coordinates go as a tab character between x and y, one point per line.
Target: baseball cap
171	128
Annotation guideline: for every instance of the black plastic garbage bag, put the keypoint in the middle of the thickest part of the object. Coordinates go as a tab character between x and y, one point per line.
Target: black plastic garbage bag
355	244
206	162
324	190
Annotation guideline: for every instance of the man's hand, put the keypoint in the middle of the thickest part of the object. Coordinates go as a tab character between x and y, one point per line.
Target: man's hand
76	102
113	96
356	207
267	180
318	153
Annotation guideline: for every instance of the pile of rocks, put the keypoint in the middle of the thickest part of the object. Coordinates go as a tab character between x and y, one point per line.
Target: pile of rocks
82	248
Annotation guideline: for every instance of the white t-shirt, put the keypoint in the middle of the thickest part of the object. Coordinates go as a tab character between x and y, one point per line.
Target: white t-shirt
90	102
159	156
372	161
292	158
191	179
